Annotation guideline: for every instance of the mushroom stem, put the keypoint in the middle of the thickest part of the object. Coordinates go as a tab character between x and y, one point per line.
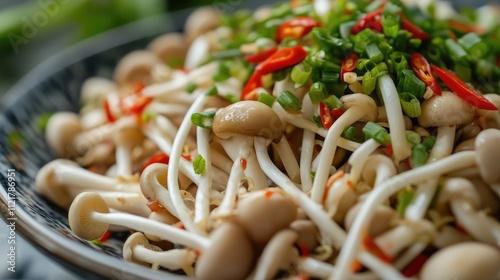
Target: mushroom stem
288	158
377	169
328	151
426	190
323	270
229	201
395	240
400	146
173	167
168	109
388	188
133	203
172	259
307	149
202	205
359	157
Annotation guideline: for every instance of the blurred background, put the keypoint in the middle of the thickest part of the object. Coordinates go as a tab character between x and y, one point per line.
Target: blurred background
32	31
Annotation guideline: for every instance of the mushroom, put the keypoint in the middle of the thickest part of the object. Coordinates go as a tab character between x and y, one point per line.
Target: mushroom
202	203
93	92
444	110
486	145
228	203
237	124
201	21
278	252
307	233
426	189
135	67
469	260
169	47
464	201
227	254
467	145
61	130
377	169
356	107
400	145
137	249
384	218
129	202
60	180
126	138
162	216
253	214
447	236
339	196
359	157
382	193
307	148
488	118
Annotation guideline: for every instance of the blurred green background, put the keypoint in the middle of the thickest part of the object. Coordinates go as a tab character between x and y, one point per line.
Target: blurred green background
31	31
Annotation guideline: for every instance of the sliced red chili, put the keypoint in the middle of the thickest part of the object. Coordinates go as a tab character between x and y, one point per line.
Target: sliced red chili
463	90
154	206
465	28
282	59
135	104
415	266
417	32
107	111
158	158
336	113
326	117
105	236
372	20
372	247
254	82
296	28
423	70
138	87
349	63
261	56
389	151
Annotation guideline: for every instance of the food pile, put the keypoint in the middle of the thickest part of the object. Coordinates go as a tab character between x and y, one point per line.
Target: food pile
328	139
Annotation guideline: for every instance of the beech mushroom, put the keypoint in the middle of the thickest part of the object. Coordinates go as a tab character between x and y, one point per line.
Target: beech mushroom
392	242
61	130
384	218
254	214
377	169
126	139
307	233
199	22
135	67
237	124
278	252
359	157
390	96
169	47
489	118
138	250
356	107
60	180
486	145
444	110
228	203
94	91
227	254
162	216
469	260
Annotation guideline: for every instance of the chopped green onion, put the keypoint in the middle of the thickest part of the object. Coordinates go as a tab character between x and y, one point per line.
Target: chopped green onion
301	73
399	61
317	92
146	116
405	197
473	44
317	120
199	164
410	105
280	75
374	53
456	52
418	156
349	133
212	91
227	54
203	119
42	120
429	142
380	68
415	43
345	29
16	140
288	101
264	43
376	132
191	87
409	82
222	73
368	83
390	24
413	138
231	98
365	38
333	102
463	71
327	41
266	99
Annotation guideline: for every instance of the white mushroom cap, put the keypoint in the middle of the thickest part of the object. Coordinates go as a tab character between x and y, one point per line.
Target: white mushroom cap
169	46
95	89
447	109
61	130
135	67
382	221
307	232
361	100
263	213
488	155
201	21
80	216
48	185
229	256
248	118
460	188
470	260
492	117
133	240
